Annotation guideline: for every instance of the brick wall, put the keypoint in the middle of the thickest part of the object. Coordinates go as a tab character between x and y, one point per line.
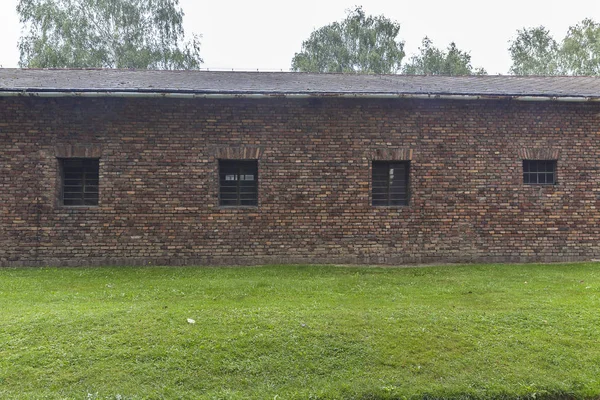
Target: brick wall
159	181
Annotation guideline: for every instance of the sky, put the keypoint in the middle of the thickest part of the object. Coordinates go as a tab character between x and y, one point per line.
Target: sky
264	35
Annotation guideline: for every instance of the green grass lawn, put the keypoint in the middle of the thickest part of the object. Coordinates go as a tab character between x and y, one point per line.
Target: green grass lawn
307	332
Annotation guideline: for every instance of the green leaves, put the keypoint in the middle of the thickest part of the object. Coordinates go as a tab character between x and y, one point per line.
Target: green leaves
433	61
144	34
366	44
360	43
581	49
536	52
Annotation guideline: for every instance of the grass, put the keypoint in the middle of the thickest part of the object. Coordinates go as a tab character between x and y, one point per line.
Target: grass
306	332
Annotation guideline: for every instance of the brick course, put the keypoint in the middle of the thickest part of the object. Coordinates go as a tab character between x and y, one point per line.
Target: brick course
159	183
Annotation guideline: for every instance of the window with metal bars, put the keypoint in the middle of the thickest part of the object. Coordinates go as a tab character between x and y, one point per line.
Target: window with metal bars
539	172
390	183
80	181
238	183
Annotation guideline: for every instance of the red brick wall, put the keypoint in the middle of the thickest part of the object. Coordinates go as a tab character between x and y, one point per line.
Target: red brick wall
159	183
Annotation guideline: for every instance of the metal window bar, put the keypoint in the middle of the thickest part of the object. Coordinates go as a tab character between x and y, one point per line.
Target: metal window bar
238	183
80	182
390	183
539	172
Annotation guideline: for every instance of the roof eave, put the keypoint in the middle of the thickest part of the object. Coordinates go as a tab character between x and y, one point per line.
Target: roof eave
290	95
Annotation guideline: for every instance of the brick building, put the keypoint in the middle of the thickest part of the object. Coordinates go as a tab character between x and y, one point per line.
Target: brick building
102	167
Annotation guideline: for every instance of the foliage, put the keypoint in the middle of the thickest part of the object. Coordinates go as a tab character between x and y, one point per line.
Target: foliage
433	61
536	52
105	34
361	43
580	49
469	332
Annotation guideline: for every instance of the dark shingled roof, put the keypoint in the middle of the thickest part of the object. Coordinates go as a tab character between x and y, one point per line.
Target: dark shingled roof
287	83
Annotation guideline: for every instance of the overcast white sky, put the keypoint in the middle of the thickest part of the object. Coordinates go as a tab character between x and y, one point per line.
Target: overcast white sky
265	34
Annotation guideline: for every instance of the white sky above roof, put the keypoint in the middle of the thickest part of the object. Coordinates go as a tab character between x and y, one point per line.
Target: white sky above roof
265	34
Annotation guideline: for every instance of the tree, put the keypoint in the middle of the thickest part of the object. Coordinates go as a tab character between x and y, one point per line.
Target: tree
433	61
535	52
105	34
361	43
580	50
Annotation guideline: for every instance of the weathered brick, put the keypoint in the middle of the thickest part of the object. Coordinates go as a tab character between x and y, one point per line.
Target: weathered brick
159	183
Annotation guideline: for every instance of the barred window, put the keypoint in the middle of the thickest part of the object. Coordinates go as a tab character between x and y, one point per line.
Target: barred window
80	181
390	183
238	182
539	172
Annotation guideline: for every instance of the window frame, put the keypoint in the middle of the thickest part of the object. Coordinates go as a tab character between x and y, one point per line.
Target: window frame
531	168
90	166
242	167
388	200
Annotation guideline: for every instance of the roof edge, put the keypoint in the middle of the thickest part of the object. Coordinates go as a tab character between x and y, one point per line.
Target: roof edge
298	95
